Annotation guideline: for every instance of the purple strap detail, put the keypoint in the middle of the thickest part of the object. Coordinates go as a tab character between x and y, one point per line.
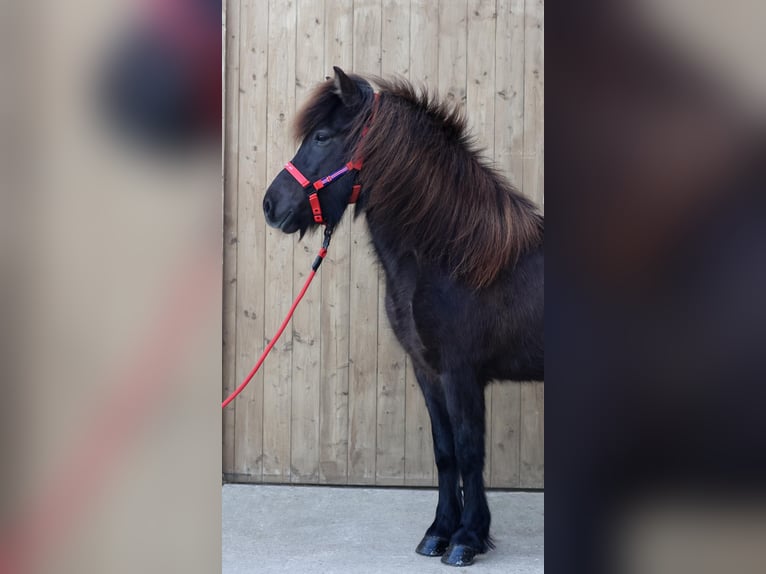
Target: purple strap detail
332	176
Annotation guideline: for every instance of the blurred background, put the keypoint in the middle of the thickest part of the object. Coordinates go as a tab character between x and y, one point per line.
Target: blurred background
111	286
656	445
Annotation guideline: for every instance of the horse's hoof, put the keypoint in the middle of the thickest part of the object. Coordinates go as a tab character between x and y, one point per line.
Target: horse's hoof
459	555
432	546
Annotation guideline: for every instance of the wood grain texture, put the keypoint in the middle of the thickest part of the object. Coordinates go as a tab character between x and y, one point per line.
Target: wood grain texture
231	177
532	439
509	89
248	440
505	432
278	272
451	79
533	100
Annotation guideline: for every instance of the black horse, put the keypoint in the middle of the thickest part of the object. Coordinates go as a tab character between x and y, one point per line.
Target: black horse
463	258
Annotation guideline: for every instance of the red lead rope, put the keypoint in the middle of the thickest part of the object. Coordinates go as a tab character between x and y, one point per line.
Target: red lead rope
317	262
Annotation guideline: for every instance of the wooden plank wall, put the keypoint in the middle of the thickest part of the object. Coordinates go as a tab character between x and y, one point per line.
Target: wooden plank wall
337	401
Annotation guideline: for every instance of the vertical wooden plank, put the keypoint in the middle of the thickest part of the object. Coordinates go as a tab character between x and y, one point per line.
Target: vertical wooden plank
532	404
424	69
389	466
278	272
306	384
505	422
230	177
509	148
489	408
480	66
363	347
335	275
395	38
248	443
339	35
509	89
533	101
480	111
452	51
424	42
419	451
532	472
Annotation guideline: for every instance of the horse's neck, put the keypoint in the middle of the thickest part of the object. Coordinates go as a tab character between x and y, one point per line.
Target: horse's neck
388	246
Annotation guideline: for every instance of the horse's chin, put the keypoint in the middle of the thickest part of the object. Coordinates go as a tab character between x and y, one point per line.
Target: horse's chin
290	226
287	224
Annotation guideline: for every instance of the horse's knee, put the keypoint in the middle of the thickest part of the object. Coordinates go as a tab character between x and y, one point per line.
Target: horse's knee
445	463
464	399
444	449
470	454
469	444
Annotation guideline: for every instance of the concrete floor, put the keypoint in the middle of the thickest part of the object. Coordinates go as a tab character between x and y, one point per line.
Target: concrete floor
327	530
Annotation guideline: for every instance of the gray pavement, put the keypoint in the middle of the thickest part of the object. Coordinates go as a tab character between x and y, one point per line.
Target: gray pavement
329	530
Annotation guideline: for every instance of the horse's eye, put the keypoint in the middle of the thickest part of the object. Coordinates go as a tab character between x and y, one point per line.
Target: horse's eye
321	137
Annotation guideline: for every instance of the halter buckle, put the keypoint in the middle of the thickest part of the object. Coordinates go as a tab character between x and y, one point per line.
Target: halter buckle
316	209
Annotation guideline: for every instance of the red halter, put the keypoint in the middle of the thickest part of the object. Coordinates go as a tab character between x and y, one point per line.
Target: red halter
355	165
316	209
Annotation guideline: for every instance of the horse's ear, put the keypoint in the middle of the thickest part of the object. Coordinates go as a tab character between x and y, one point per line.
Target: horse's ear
346	88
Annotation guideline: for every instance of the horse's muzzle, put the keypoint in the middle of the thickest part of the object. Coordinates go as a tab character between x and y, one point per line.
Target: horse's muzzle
279	213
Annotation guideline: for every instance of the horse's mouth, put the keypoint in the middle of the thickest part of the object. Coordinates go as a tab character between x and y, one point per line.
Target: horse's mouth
287	224
288	216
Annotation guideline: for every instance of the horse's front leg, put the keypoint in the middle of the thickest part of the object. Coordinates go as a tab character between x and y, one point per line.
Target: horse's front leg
449	507
465	405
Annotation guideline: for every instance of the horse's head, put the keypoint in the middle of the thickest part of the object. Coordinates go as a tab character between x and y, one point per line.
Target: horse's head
329	127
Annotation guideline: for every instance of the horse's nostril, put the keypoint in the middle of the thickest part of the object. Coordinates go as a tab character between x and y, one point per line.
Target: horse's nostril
267	207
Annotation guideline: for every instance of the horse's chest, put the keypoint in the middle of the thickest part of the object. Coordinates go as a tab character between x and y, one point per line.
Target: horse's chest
399	312
401	316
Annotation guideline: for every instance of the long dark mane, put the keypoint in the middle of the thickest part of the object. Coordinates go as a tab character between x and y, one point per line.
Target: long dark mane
425	179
